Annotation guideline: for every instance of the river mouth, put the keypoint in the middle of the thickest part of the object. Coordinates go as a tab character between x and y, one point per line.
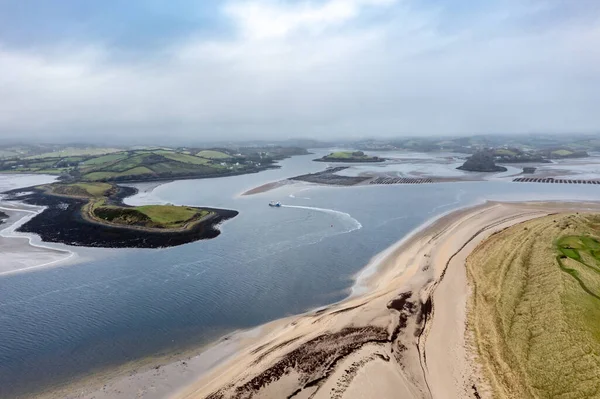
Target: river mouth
130	304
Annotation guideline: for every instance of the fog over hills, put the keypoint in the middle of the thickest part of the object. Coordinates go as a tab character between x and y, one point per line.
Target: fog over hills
188	71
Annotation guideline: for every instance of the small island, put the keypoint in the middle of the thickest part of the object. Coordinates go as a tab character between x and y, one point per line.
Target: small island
349	156
482	161
93	215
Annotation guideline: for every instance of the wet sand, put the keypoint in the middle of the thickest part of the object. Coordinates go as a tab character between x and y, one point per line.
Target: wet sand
19	251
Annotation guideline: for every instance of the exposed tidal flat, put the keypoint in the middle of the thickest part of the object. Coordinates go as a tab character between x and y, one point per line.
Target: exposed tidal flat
61	324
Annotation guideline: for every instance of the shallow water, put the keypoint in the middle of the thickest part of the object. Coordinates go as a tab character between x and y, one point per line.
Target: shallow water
59	323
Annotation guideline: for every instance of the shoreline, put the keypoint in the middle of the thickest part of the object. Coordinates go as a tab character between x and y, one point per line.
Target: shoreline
488	217
187	374
9	243
404	268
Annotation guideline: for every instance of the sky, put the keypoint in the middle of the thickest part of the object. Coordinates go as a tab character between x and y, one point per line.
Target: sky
182	70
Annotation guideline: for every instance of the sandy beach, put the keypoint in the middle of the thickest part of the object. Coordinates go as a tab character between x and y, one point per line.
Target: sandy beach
402	333
19	251
404	337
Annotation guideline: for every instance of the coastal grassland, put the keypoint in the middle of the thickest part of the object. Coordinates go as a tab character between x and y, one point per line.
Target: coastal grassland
534	312
150	216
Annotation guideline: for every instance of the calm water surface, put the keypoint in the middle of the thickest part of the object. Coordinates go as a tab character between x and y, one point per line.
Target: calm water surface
57	324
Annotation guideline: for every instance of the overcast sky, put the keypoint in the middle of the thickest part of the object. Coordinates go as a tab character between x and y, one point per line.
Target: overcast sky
214	70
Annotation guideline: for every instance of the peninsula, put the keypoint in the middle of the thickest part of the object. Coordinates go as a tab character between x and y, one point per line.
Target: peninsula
93	214
349	156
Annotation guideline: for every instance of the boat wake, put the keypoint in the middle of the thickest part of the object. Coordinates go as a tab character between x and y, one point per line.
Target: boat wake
298	192
345	216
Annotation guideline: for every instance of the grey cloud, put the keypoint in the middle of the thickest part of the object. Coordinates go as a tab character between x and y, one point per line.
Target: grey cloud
335	77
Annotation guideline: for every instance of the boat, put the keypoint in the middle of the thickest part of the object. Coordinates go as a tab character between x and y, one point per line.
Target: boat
275	204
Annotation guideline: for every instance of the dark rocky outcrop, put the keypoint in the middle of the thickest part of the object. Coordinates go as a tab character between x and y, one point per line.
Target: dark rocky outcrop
482	161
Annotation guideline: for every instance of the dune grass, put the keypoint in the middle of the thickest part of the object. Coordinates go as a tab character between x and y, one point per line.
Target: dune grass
534	313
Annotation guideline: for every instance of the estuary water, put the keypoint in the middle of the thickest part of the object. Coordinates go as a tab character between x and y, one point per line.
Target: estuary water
61	323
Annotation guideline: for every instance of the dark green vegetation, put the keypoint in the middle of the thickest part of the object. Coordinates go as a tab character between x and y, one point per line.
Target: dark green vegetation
349	156
535	308
114	165
482	161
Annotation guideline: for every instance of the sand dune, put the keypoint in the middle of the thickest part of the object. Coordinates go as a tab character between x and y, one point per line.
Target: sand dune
405	338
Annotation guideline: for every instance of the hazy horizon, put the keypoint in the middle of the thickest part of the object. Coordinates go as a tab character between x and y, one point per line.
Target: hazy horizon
213	71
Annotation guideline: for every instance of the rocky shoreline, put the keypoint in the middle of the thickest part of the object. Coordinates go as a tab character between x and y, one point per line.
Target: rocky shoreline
62	222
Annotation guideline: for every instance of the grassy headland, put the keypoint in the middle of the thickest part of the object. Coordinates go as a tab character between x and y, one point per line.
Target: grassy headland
535	308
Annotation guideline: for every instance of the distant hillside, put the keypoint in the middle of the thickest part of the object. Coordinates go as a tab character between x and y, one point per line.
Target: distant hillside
148	164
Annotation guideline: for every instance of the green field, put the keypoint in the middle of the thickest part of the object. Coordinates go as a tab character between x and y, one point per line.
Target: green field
101	176
90	190
535	309
74	151
106	159
211	154
562	153
185	158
